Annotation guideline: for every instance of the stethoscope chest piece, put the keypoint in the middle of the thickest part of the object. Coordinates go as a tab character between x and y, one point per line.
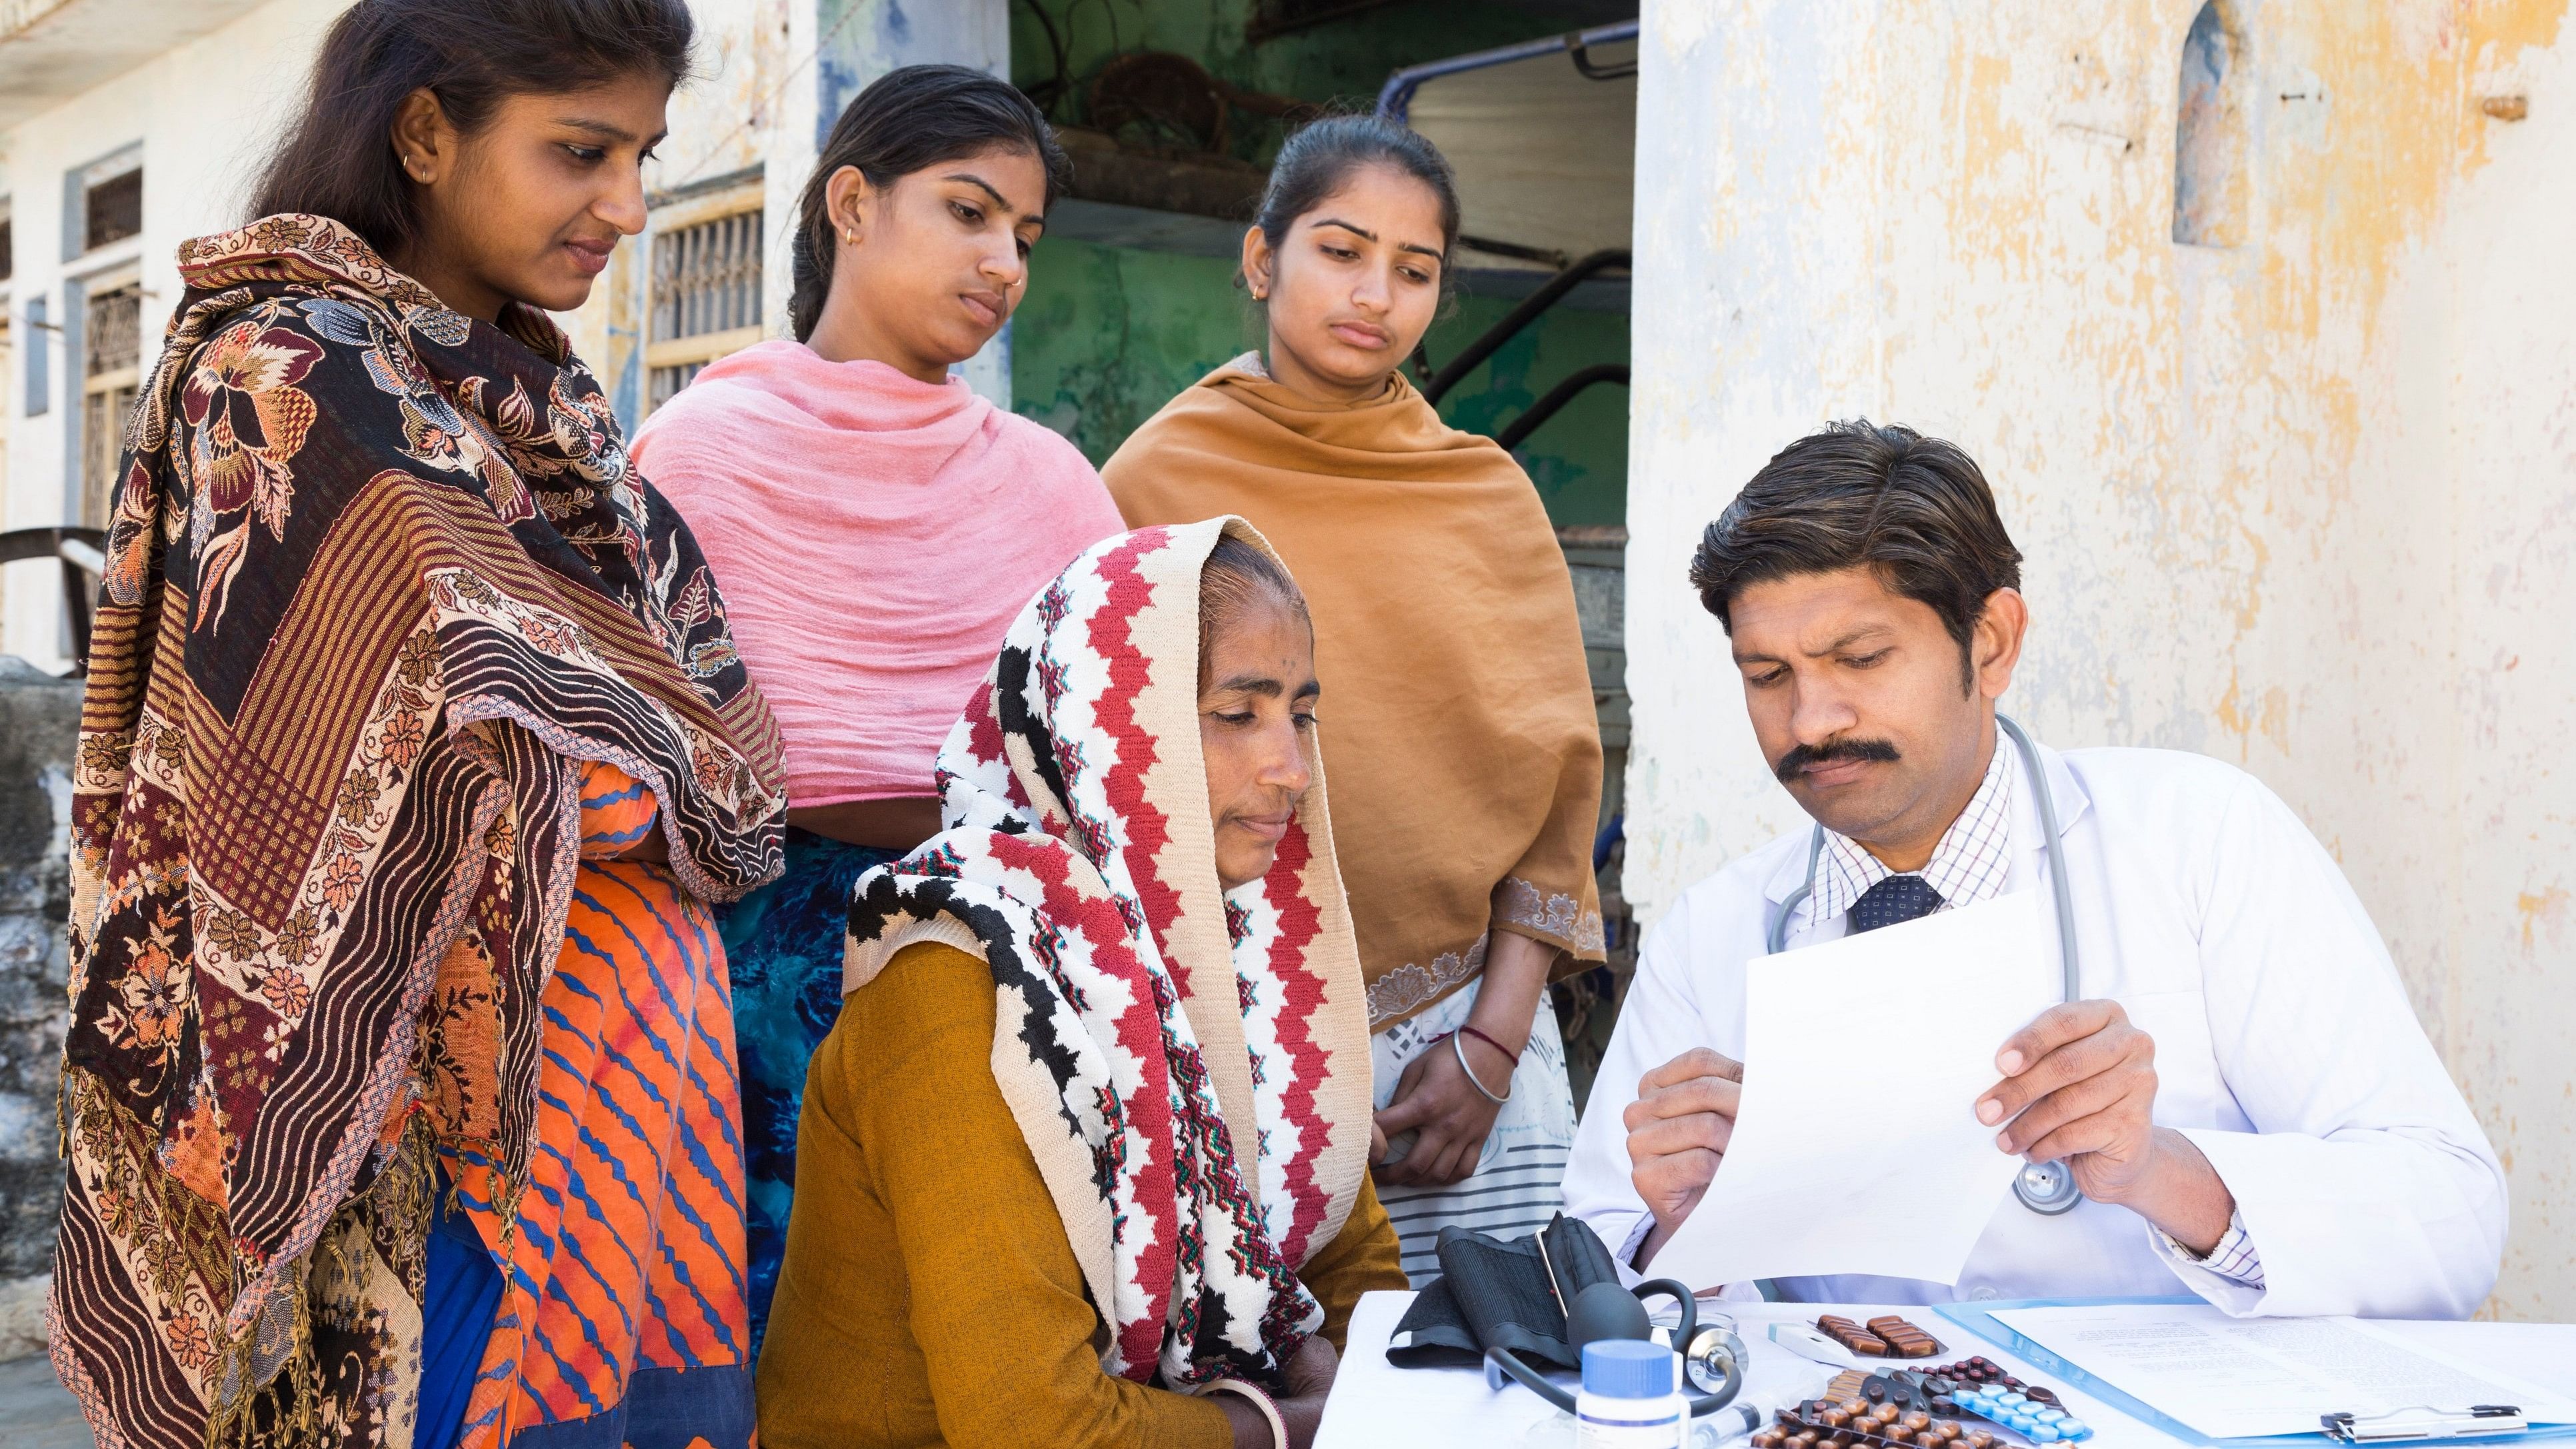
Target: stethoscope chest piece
2047	1188
1714	1355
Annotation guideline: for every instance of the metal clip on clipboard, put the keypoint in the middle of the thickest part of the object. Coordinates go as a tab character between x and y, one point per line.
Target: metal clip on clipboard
2478	1421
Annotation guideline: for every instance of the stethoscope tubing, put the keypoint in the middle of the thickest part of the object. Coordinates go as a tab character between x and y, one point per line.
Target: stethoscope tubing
2045	1188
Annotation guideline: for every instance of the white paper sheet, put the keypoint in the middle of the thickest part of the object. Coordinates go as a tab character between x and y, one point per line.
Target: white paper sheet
2243	1378
1857	1147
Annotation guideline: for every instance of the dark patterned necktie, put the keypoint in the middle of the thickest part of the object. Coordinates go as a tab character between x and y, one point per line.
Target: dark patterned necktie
1893	902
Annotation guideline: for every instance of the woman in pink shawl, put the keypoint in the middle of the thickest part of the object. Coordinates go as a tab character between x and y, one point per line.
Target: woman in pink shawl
875	526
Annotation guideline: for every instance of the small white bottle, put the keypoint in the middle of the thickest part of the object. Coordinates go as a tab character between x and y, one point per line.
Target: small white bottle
1631	1398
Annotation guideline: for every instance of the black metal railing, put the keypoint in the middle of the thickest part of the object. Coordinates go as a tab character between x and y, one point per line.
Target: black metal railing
1520	317
81	553
1557	397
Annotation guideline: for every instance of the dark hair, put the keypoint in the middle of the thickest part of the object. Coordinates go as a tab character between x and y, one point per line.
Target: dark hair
1860	495
1317	160
905	120
1236	576
337	159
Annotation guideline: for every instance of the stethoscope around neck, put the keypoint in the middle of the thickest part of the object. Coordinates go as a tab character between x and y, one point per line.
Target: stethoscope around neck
2046	1188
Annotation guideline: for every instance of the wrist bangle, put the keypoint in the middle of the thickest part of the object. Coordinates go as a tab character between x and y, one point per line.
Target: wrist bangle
1260	1400
1489	1041
1458	1049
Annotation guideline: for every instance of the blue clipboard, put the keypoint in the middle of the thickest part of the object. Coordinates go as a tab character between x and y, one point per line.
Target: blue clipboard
1979	1319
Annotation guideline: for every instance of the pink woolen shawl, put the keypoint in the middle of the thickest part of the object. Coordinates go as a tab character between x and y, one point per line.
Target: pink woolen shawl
874	535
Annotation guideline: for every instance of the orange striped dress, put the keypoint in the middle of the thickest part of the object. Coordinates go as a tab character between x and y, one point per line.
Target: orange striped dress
623	1318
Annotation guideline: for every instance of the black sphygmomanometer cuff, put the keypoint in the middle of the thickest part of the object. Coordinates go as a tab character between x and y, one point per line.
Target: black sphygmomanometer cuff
1493	1294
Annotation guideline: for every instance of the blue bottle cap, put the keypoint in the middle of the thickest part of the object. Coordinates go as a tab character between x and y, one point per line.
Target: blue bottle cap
1627	1368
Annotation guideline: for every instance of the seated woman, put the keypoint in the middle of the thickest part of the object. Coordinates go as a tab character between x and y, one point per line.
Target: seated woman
1088	1141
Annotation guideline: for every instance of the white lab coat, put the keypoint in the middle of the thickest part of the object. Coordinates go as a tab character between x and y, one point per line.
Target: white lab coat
2286	1051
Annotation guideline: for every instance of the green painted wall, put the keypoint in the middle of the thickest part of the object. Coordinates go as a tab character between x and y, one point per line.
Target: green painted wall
1107	335
1579	458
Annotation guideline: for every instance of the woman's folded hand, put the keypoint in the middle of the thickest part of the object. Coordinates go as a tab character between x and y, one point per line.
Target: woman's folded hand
1310	1381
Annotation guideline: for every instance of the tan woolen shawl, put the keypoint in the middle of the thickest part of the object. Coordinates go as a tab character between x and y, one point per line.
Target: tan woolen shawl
1457	709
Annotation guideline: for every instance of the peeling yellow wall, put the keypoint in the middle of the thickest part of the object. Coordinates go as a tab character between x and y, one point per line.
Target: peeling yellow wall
2307	504
741	104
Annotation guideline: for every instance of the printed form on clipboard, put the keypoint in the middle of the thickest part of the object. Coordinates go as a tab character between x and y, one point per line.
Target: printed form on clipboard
2194	1370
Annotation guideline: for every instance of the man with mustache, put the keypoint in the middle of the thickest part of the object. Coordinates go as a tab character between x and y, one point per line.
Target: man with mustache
2245	1097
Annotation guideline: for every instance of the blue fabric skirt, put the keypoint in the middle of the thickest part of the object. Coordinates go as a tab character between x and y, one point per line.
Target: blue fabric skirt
783	950
463	1290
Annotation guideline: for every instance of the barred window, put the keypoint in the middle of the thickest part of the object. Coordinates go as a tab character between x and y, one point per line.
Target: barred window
111	376
666	382
112	338
705	298
706	278
114	210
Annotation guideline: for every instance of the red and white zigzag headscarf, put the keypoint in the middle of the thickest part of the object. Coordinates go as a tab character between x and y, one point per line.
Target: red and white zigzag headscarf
1149	1025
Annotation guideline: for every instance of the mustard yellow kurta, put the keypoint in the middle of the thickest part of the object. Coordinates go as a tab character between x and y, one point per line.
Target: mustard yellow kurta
929	1296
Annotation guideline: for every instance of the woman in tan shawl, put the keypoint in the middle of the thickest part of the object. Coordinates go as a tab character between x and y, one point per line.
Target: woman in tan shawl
1461	733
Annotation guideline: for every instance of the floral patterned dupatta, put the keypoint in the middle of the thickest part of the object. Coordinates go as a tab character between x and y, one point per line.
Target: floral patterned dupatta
380	580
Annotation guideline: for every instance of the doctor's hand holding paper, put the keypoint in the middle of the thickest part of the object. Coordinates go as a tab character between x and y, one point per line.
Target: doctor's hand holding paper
2080	1087
2236	1079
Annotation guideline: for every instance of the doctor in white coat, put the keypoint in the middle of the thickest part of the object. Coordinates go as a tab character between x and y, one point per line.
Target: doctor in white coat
2244	1094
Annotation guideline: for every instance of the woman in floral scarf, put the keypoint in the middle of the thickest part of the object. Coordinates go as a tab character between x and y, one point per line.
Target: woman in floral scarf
399	1095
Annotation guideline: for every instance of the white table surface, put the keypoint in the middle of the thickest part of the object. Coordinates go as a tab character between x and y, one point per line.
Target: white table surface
1377	1404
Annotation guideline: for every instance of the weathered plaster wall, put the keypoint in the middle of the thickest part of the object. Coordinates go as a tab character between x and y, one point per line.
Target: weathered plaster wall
1107	335
2307	504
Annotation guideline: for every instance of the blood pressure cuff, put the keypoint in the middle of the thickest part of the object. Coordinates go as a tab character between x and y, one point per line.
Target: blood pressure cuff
1494	1294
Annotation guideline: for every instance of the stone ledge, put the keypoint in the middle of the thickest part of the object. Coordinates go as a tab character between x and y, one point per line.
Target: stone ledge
22	1316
